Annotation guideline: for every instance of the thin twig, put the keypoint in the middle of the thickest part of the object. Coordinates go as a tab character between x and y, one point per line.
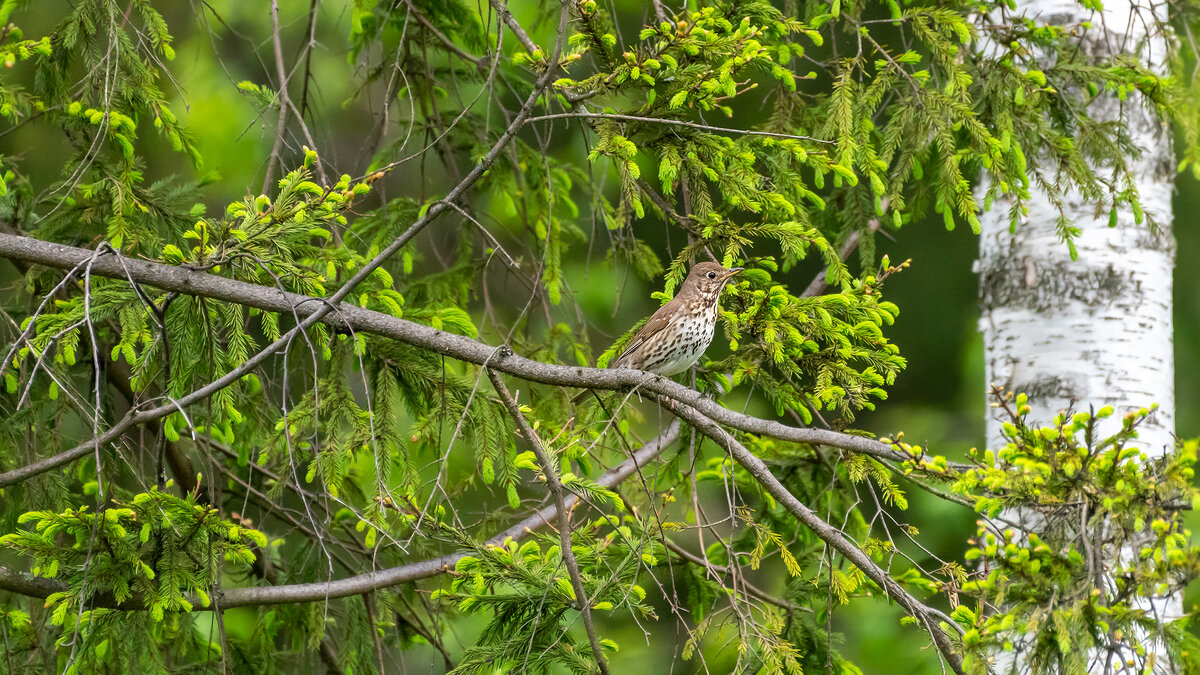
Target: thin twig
563	516
477	61
722	569
677	123
281	73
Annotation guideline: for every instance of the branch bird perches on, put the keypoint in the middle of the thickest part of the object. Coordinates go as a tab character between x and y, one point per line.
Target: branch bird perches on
344	315
705	414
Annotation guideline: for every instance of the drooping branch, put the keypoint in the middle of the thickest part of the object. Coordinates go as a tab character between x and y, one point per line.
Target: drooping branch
26	584
343	315
832	536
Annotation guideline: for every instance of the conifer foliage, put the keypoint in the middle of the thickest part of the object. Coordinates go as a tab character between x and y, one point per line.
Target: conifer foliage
276	433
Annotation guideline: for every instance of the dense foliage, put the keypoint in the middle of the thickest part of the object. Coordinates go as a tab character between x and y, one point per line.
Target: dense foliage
509	175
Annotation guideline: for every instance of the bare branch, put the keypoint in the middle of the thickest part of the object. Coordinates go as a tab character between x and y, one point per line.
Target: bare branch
677	123
659	12
281	73
832	536
507	17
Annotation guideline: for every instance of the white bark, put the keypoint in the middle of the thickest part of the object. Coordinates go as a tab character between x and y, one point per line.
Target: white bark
1096	331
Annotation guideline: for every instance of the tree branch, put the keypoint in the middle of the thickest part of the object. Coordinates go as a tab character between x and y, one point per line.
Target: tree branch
344	315
24	583
563	515
281	73
676	123
323	306
507	17
832	536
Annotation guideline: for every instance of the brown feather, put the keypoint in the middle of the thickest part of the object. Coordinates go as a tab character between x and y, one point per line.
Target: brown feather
697	296
658	321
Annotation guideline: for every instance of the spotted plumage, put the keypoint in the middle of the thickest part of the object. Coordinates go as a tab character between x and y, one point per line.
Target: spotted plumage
678	333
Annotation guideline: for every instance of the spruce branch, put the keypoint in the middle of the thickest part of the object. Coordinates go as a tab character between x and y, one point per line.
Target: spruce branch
479	62
23	583
831	535
326	305
939	110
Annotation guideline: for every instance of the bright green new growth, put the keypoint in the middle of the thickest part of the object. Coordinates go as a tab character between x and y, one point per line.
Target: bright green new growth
1062	589
187	542
159	552
777	140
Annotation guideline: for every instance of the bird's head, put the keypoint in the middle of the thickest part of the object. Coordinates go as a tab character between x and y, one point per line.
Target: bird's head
708	278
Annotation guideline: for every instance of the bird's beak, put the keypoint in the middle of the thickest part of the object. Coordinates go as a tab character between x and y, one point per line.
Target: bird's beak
732	272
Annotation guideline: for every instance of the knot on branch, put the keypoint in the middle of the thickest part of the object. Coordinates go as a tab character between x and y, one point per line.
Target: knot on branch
498	355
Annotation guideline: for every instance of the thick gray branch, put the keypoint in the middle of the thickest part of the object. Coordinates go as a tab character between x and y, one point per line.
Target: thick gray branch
184	280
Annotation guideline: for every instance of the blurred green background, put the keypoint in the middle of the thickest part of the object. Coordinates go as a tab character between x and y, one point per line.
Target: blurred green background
938	401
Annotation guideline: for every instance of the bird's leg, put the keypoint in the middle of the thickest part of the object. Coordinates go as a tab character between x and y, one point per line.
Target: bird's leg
670	401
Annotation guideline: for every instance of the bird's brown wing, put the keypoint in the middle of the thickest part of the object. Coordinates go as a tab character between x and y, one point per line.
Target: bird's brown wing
658	321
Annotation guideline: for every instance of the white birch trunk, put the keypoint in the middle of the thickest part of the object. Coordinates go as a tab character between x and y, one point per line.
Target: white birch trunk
1096	331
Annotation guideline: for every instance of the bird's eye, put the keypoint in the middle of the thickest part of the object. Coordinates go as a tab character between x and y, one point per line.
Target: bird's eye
711	275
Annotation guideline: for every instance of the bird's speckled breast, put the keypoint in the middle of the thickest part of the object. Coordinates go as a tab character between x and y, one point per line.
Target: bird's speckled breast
693	332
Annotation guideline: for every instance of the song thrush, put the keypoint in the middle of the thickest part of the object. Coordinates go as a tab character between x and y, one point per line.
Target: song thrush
679	332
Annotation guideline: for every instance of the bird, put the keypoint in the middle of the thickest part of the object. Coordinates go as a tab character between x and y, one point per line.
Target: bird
678	333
